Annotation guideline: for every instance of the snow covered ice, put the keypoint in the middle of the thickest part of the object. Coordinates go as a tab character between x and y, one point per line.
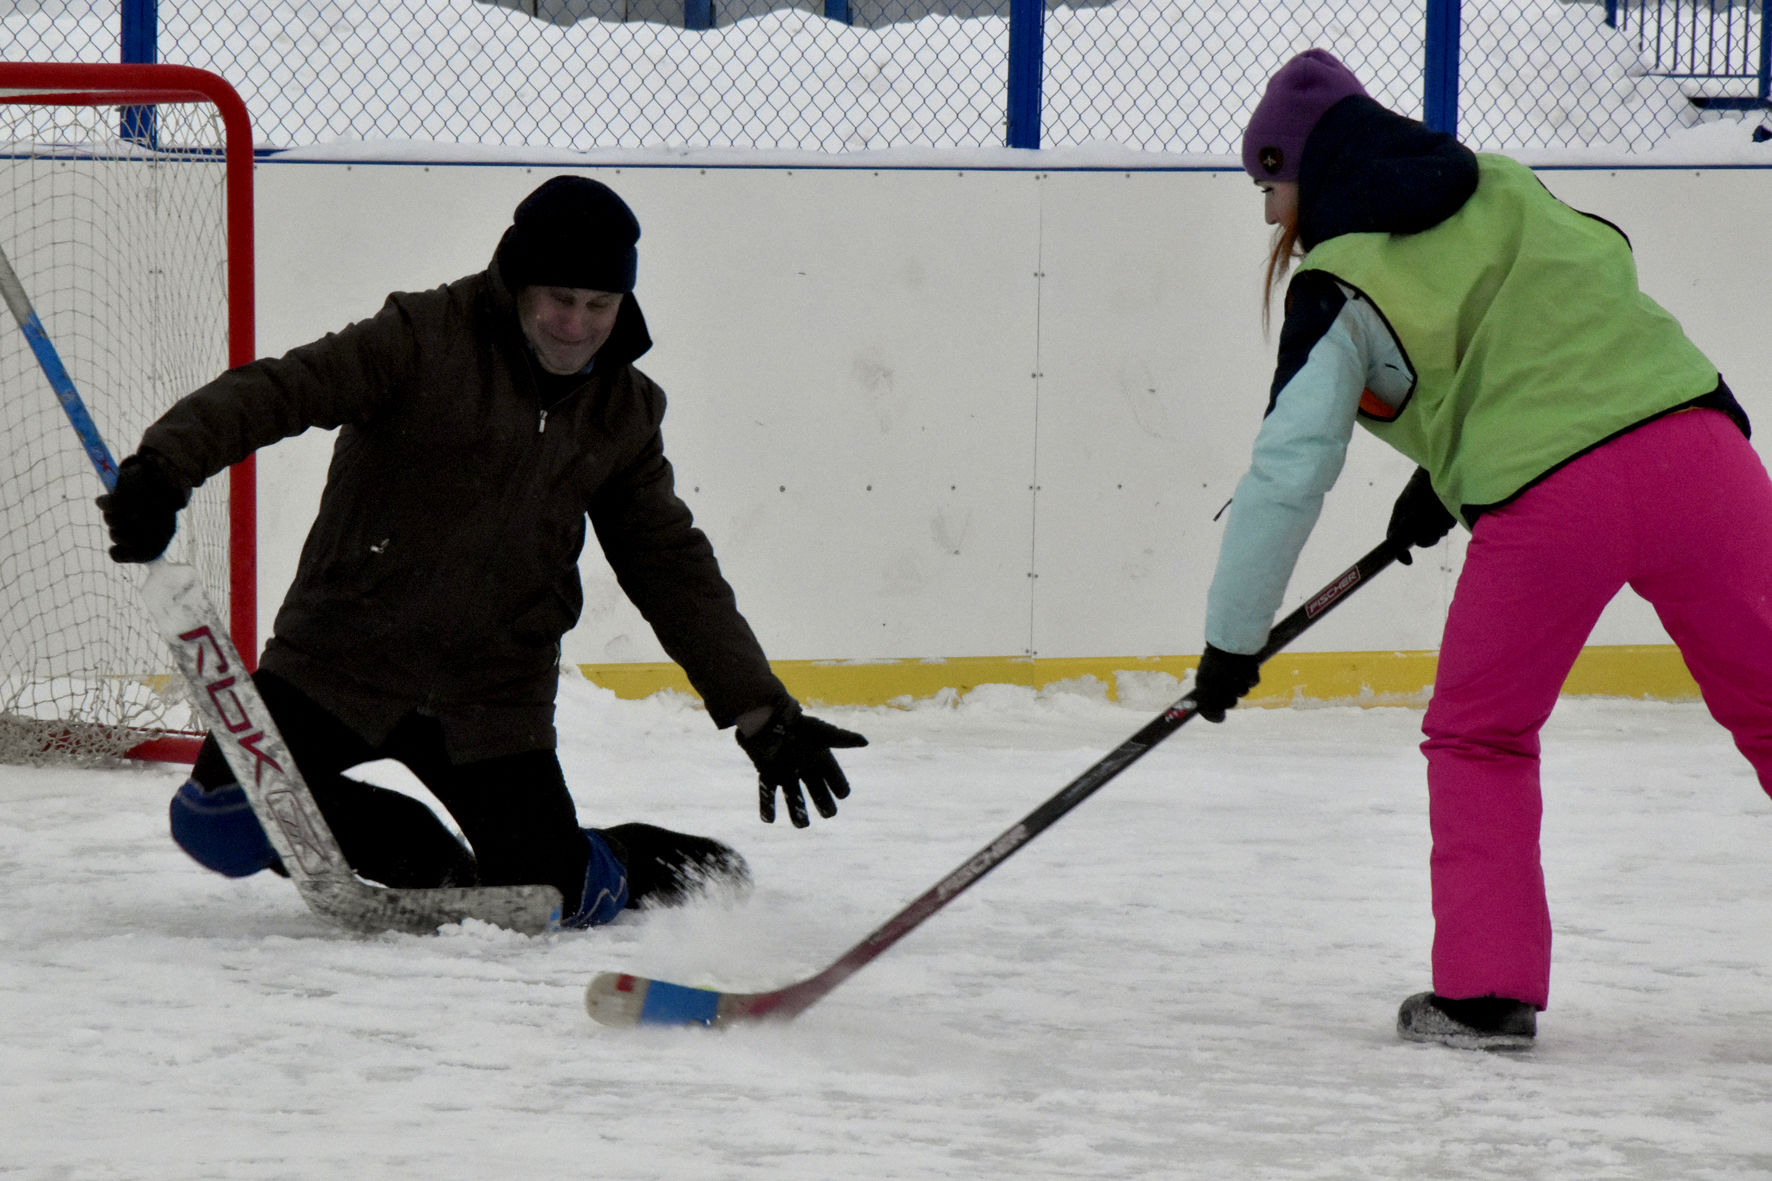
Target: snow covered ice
1194	974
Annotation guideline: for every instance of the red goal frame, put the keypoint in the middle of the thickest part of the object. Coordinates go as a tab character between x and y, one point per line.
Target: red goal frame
104	84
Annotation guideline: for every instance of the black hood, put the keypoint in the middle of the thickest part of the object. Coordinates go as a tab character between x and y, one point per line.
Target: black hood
1367	169
628	340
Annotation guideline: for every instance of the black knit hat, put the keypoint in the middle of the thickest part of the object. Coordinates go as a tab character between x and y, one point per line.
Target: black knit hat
571	232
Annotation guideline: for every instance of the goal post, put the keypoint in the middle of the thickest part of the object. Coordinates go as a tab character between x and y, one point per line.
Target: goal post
126	209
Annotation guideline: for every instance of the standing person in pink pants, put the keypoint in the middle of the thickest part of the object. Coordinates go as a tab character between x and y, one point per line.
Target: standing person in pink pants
1448	303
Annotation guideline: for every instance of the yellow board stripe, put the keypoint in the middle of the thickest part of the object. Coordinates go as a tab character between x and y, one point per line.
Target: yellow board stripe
1372	678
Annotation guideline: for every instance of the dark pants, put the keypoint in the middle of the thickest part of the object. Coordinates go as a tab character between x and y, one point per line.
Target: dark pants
515	811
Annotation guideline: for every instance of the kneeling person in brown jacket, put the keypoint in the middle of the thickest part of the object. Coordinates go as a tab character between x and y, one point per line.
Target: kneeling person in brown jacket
481	424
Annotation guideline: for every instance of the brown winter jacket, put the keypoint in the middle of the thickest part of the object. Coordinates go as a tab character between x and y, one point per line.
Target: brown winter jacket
442	568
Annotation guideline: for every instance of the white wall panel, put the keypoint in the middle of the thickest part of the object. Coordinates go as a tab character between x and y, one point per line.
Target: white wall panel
848	358
871	370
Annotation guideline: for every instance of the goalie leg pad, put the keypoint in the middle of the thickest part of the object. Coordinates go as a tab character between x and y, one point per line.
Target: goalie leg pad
219	831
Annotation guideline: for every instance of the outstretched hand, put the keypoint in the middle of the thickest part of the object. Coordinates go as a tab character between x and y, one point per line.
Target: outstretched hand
793	754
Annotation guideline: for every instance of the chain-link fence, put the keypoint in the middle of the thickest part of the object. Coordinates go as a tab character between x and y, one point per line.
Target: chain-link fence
1177	76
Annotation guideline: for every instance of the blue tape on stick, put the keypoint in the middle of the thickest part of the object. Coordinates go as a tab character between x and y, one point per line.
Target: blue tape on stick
673	1004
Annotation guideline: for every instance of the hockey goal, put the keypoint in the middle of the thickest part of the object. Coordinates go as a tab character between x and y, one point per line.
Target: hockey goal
126	209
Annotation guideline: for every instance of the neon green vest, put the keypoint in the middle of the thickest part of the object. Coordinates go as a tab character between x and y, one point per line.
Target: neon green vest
1528	337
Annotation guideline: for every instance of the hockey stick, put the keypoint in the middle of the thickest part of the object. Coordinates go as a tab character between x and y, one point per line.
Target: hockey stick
617	998
236	715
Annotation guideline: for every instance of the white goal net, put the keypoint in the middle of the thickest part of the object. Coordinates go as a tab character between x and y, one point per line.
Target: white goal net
115	213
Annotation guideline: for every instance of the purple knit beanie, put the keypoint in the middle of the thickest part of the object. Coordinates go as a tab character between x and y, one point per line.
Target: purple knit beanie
1297	96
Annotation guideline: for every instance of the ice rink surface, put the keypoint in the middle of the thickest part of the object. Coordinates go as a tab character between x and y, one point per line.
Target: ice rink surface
1194	974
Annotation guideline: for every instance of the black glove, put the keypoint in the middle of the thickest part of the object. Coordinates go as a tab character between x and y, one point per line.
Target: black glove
142	510
792	749
1418	518
1221	681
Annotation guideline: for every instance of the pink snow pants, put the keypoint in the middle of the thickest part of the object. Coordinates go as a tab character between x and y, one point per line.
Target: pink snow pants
1679	510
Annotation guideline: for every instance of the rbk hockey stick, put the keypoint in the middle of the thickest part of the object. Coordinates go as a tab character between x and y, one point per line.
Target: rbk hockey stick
616	998
236	715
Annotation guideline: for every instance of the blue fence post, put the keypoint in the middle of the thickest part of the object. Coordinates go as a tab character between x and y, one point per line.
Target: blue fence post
1027	44
139	43
698	15
837	10
1440	70
141	32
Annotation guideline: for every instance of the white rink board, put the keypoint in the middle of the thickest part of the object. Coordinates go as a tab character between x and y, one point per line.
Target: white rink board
930	413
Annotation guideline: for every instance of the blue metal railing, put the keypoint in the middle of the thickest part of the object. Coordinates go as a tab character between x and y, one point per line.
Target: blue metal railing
1703	40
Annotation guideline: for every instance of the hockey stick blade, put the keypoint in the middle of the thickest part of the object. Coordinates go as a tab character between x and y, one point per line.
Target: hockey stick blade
622	999
236	715
242	725
373	910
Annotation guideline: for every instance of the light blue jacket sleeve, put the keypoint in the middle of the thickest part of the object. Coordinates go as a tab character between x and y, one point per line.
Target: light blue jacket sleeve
1298	454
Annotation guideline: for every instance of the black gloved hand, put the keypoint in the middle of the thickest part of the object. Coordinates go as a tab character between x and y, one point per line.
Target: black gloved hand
1418	518
1221	680
142	510
792	749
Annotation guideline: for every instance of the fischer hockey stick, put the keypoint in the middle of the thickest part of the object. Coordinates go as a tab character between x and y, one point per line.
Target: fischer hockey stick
236	715
617	998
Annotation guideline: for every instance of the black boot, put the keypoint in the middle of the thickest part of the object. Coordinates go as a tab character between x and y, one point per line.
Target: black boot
667	868
1479	1023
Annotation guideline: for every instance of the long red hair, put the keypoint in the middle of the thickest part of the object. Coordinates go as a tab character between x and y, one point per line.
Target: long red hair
1281	254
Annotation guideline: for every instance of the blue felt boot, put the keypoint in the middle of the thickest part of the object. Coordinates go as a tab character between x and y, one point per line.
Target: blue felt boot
218	829
606	886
